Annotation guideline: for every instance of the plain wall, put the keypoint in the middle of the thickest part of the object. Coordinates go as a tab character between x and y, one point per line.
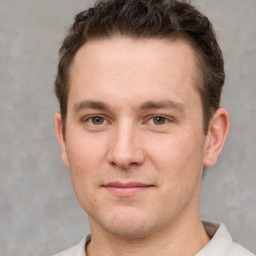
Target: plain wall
39	214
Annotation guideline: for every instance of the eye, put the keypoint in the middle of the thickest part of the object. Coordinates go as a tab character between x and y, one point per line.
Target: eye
96	120
158	120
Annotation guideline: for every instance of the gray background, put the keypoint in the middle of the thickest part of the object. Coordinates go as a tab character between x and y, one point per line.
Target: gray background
39	214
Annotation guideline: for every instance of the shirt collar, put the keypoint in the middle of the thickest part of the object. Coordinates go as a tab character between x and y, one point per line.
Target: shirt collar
219	244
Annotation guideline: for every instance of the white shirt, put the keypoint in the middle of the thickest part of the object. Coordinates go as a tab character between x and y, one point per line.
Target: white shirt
221	244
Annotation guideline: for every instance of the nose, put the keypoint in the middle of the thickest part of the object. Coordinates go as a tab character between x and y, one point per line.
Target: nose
125	149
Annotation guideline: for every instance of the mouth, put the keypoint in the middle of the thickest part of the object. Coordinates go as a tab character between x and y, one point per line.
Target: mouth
126	189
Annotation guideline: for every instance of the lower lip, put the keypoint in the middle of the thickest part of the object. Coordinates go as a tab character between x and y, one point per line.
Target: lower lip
127	191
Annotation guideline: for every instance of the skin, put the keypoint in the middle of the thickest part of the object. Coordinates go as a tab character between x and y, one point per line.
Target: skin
135	145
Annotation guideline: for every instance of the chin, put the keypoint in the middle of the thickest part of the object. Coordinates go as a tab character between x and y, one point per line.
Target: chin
129	224
127	231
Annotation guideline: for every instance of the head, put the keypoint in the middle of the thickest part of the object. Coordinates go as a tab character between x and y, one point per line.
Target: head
139	86
140	19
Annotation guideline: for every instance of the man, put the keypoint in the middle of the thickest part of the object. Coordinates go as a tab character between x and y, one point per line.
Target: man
139	85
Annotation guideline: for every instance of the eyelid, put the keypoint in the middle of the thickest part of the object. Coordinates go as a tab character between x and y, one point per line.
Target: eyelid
168	119
89	117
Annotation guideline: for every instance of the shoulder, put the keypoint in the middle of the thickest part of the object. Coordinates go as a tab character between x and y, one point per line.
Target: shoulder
238	250
77	250
221	242
68	252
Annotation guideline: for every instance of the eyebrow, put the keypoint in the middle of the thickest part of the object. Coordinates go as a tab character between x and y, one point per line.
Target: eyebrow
85	104
169	104
148	105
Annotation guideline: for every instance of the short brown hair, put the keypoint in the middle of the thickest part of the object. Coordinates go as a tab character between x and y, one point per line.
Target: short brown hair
161	19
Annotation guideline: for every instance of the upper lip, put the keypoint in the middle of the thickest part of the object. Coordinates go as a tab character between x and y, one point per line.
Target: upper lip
118	184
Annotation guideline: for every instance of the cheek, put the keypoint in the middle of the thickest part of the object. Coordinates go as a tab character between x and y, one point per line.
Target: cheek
85	158
84	177
84	150
179	164
177	156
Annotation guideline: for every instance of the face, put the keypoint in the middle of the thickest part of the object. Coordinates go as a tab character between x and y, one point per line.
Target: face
134	138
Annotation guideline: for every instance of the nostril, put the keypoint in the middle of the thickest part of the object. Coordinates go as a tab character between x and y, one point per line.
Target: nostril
124	150
126	159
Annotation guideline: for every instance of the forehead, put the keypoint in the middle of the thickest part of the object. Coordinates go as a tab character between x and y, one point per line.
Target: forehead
117	49
133	66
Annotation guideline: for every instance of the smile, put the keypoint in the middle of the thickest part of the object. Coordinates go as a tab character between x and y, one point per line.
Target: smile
126	189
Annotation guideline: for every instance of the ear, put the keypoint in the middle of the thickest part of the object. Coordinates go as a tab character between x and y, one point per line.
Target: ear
216	136
61	138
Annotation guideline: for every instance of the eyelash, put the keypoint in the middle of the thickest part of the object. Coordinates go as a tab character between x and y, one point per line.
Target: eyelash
89	120
166	120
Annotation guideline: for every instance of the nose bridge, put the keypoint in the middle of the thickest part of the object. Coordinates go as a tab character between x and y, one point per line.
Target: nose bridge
125	148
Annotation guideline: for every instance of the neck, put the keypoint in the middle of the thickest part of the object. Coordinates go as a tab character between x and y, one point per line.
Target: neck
185	239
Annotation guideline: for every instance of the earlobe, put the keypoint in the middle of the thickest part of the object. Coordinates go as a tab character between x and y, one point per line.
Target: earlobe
61	138
216	136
